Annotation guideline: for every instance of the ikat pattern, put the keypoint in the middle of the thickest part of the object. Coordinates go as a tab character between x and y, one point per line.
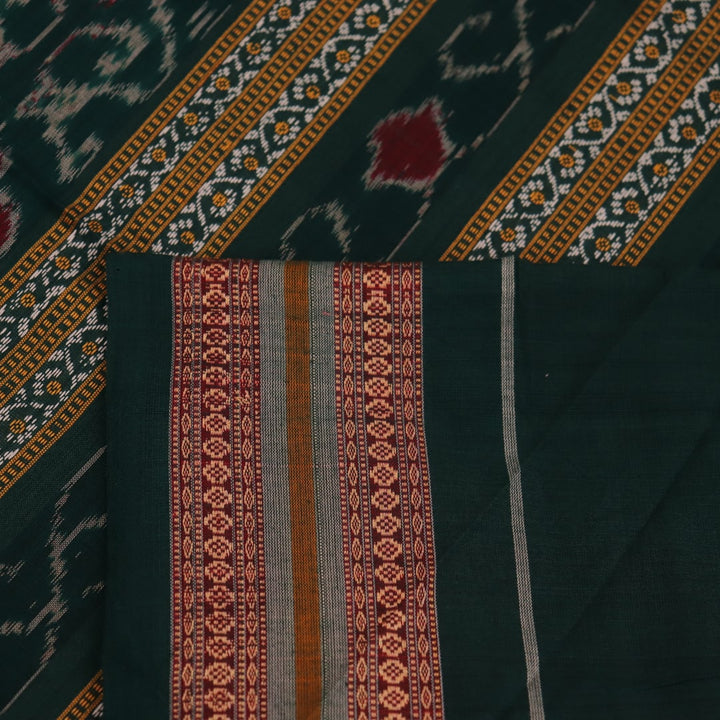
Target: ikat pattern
128	50
395	141
628	149
10	212
445	111
218	663
285	71
70	79
70	551
394	669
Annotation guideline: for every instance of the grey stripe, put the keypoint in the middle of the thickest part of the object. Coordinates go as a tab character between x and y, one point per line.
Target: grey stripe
331	579
276	495
517	514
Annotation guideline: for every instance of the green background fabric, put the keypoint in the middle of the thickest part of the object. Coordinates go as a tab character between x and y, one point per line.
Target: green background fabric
137	627
378	219
618	399
588	319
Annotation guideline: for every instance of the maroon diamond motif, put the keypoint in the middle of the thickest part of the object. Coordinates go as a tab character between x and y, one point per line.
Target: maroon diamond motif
411	148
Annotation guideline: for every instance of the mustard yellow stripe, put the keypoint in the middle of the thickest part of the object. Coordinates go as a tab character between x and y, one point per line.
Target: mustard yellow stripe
306	594
130	151
86	700
63	419
313	133
665	211
628	143
88	288
52	327
608	62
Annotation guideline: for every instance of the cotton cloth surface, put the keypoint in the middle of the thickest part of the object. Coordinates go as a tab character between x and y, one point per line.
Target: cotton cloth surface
570	471
572	133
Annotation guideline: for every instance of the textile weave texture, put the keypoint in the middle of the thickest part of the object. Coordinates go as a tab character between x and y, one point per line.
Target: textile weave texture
575	133
338	498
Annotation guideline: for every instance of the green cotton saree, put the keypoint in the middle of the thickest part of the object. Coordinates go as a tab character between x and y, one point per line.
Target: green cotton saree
403	488
579	138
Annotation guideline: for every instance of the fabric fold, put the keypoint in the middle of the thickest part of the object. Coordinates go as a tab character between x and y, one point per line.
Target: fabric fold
325	518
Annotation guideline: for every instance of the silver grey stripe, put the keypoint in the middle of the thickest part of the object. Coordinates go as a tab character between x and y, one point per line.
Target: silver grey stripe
276	495
331	579
517	514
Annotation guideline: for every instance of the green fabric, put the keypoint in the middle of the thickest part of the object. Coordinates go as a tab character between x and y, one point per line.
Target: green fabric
621	487
560	315
618	401
137	605
617	422
40	545
377	219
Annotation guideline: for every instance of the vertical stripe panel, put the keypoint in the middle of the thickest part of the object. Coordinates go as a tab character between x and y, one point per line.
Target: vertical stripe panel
308	675
331	580
517	514
260	636
231	293
219	624
393	653
177	462
276	495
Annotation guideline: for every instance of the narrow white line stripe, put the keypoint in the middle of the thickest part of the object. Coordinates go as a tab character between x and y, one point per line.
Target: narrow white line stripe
276	495
517	514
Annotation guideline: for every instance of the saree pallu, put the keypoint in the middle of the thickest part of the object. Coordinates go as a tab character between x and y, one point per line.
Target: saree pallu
412	131
403	490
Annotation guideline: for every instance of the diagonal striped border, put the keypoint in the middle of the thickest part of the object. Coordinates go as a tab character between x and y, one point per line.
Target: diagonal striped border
461	247
88	288
314	132
132	149
629	142
225	132
53	430
665	212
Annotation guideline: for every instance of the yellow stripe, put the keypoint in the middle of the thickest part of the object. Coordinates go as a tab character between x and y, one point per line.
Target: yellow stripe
70	411
628	143
137	144
86	700
665	211
52	327
314	132
87	289
306	594
461	247
65	417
